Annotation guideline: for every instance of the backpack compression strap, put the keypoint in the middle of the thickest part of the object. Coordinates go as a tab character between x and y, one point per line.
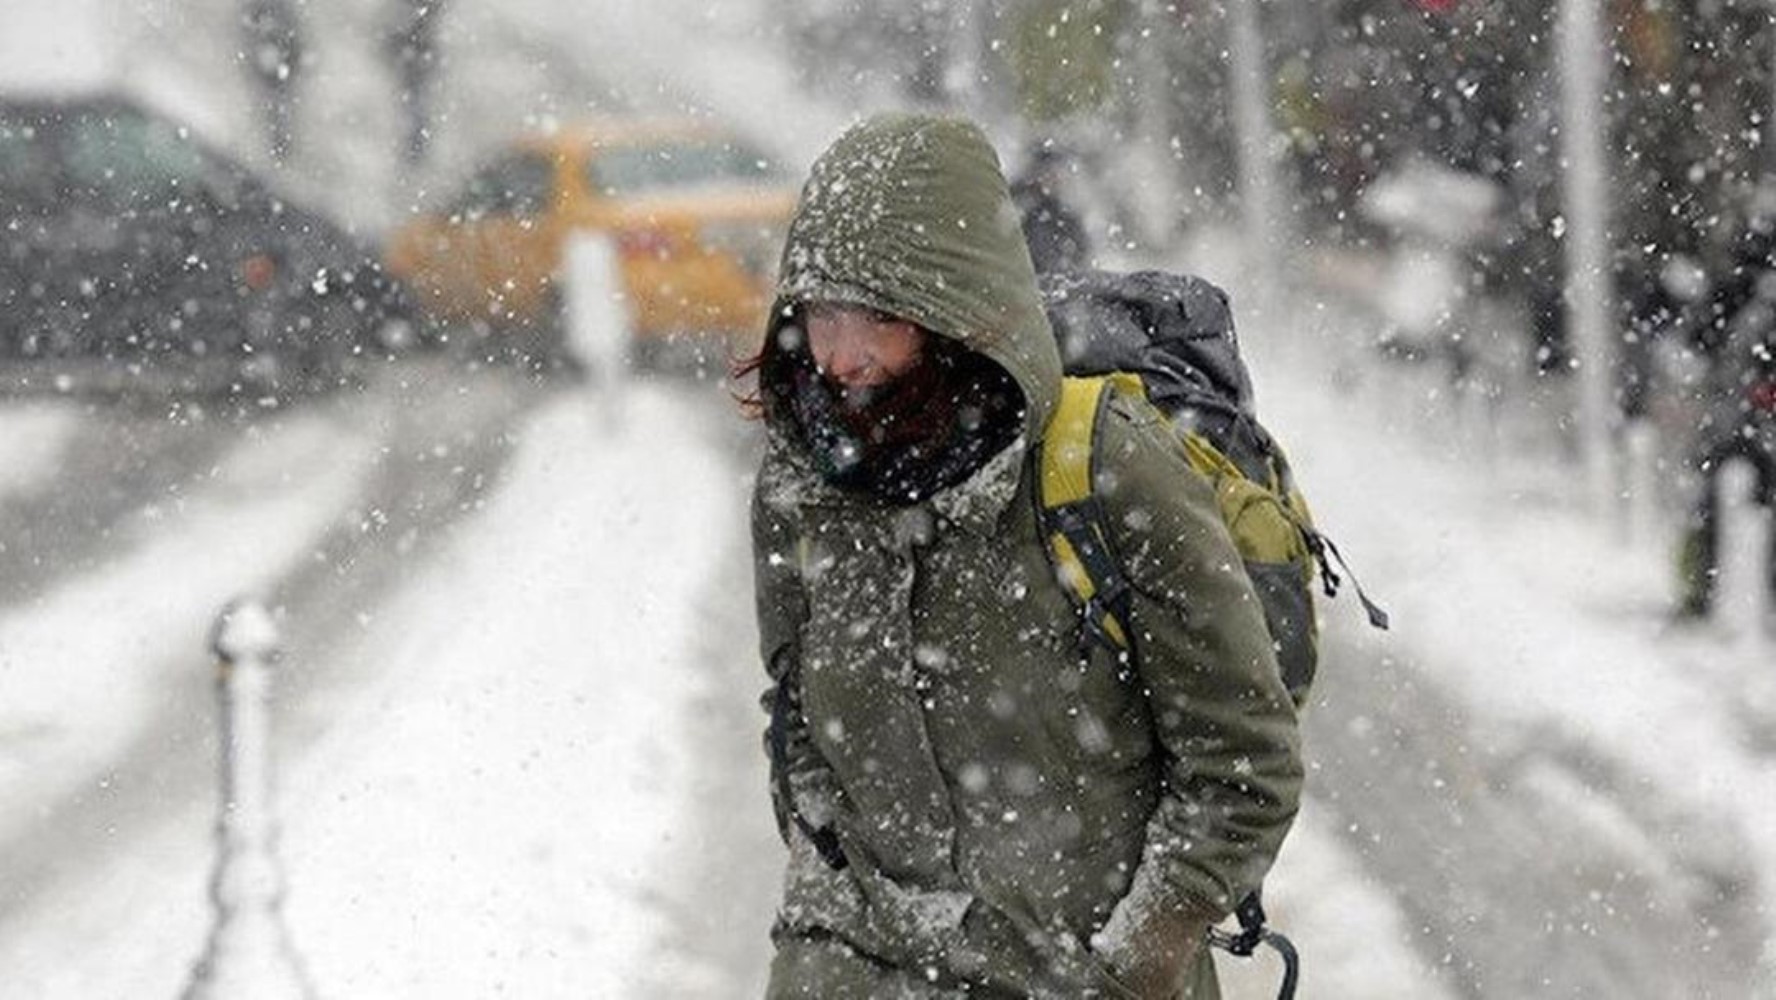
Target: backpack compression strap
1071	517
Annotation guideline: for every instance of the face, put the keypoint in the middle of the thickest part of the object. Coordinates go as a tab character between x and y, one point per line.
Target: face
858	347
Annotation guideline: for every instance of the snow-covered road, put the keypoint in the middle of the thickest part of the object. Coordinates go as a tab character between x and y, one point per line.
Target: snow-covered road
518	720
486	729
520	735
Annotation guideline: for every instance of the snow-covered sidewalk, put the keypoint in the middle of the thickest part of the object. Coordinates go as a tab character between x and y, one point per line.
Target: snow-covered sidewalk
1546	628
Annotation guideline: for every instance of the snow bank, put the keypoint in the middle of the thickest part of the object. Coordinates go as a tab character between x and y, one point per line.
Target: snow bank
84	668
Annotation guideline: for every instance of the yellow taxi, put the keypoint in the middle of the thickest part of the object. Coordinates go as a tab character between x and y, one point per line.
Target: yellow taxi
696	216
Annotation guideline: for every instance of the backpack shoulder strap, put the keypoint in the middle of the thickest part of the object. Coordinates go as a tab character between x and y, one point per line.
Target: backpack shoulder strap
1070	517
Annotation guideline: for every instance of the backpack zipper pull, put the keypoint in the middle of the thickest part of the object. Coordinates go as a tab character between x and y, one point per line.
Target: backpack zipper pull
1320	545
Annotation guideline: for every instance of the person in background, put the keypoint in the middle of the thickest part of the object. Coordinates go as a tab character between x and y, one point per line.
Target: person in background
1737	335
1056	236
977	800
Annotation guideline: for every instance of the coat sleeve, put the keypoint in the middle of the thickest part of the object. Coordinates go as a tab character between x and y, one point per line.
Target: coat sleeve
1225	727
798	772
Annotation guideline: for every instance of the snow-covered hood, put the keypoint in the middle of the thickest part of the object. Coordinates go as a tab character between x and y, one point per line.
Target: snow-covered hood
910	214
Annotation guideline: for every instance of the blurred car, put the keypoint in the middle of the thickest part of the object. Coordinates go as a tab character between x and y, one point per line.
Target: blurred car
696	215
124	238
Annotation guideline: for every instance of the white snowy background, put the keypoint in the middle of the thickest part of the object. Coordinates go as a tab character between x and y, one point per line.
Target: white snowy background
532	767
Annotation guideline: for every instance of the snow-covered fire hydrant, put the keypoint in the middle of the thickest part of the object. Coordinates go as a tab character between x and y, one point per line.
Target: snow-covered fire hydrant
249	954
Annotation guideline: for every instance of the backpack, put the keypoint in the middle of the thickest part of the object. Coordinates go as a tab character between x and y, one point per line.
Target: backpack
1169	339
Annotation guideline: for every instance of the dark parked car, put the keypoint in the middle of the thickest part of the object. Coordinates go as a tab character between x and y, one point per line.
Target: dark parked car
124	238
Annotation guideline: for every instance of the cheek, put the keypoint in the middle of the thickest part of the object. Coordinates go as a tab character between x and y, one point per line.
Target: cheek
901	353
820	345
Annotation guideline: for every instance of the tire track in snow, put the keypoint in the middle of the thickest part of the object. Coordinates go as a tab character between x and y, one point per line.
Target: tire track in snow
1530	867
450	441
118	462
415	494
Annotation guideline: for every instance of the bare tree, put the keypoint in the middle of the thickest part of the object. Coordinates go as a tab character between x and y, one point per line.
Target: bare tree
412	50
272	39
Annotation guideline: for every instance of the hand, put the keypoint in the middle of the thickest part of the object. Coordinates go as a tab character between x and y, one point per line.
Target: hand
1148	955
1153	976
994	952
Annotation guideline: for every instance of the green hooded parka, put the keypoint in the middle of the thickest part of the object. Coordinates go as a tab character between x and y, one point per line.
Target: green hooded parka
998	788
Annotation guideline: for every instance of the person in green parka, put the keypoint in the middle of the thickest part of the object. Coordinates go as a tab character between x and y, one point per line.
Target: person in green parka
976	802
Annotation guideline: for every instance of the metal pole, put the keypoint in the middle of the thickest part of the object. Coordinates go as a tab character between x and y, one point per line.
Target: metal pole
249	952
1585	183
1258	186
1769	130
1743	589
962	76
1159	180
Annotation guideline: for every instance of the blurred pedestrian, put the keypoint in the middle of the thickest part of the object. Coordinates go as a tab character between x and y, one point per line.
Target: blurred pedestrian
976	798
1052	228
1651	310
1737	335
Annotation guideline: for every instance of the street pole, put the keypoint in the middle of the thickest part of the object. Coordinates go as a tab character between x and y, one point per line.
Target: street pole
249	952
1159	181
962	76
1260	202
1743	599
1769	130
1585	184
